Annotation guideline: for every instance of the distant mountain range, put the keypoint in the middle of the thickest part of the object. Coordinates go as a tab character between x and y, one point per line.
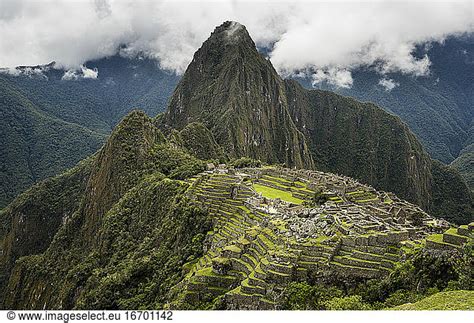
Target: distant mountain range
48	124
438	108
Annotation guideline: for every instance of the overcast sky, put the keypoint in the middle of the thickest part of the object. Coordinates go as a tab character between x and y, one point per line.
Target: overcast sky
328	38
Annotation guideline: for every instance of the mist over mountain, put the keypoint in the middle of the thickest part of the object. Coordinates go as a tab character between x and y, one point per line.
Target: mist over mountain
437	107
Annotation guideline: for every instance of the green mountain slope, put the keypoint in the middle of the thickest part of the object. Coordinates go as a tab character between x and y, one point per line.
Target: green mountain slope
136	156
49	124
450	197
362	141
251	111
465	162
29	224
198	140
35	145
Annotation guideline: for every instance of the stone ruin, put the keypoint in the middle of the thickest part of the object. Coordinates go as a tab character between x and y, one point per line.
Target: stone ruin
259	244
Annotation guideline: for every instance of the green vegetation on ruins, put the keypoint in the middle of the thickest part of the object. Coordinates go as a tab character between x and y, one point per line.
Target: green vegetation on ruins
294	261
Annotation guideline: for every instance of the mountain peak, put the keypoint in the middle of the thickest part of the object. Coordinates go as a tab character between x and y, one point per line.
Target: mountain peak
237	94
230	39
231	32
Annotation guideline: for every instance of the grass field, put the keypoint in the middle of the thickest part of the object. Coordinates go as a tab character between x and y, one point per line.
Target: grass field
452	300
273	193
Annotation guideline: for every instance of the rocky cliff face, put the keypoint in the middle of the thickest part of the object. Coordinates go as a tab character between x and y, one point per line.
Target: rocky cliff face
237	94
120	163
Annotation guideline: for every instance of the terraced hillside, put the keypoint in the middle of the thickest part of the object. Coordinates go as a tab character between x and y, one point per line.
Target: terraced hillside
273	226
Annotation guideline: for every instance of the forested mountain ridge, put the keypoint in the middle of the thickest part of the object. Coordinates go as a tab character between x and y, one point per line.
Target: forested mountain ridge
465	162
362	141
49	123
131	168
35	145
438	107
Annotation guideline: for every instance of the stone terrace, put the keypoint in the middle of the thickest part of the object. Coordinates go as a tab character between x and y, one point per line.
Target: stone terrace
269	230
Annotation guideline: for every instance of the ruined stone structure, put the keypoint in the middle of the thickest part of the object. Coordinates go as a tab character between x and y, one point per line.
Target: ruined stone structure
276	225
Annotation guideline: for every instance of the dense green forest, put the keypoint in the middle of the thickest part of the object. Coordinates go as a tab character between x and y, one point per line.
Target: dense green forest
50	124
34	144
465	164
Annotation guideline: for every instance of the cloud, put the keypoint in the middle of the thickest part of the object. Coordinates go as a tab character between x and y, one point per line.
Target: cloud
333	76
82	72
388	84
29	71
88	73
325	38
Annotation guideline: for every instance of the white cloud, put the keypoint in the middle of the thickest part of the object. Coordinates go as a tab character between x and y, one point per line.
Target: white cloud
70	75
388	84
333	76
329	37
88	73
82	72
30	71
